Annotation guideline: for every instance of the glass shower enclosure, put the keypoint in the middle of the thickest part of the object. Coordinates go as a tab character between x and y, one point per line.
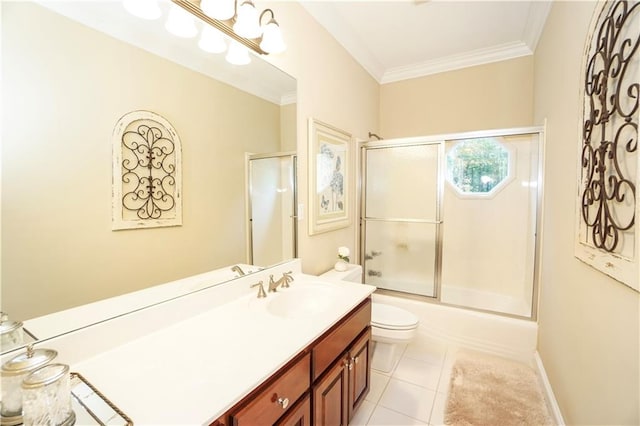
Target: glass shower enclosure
271	208
453	219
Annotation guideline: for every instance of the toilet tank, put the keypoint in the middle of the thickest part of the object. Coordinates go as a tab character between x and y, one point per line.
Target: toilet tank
352	274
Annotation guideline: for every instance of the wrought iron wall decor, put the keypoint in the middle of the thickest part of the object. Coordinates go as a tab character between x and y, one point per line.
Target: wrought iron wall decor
147	175
608	207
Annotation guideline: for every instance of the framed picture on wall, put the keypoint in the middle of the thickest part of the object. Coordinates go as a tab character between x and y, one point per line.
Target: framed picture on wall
328	177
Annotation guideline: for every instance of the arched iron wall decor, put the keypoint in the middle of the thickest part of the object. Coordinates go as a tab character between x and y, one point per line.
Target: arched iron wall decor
147	175
608	207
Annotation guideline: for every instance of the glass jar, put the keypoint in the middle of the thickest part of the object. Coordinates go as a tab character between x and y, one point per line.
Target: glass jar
11	334
12	374
46	397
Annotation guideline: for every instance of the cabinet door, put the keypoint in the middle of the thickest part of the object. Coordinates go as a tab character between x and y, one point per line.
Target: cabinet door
330	396
300	415
359	371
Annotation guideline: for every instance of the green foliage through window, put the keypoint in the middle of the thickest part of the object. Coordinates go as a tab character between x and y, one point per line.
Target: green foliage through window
477	165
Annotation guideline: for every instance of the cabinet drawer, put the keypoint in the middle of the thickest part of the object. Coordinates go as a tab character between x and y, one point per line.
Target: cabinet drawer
267	406
331	346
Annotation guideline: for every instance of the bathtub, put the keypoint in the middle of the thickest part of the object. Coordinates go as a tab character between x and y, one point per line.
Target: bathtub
503	336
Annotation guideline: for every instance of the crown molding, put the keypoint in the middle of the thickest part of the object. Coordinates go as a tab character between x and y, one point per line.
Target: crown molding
455	62
538	13
325	14
288	98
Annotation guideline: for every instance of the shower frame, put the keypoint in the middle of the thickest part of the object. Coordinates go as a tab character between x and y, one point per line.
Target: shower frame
441	139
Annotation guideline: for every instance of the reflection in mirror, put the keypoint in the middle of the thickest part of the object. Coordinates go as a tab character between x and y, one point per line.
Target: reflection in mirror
65	85
272	219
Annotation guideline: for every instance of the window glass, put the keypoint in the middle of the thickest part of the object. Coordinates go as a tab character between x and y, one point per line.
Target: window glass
477	166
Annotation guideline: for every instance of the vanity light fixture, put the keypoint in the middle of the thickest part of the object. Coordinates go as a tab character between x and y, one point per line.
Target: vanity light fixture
238	20
237	54
180	23
241	21
211	40
222	10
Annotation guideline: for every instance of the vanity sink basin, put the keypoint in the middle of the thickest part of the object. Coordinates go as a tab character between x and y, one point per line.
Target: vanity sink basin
302	301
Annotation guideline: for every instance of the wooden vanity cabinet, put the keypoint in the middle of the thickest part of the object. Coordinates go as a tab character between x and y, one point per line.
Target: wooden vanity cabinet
322	386
341	389
277	398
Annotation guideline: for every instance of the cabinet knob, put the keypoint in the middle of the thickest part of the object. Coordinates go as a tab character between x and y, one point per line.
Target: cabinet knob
284	402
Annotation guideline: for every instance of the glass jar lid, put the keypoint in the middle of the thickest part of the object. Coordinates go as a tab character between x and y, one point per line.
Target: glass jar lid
44	376
29	360
9	326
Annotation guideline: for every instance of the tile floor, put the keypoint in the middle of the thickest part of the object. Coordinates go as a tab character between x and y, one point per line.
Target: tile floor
415	391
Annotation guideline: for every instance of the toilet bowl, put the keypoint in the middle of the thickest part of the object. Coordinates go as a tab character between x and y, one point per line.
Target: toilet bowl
392	328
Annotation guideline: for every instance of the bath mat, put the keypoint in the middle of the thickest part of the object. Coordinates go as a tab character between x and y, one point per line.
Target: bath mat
486	390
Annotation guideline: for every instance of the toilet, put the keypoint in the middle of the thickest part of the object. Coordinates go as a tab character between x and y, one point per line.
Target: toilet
392	328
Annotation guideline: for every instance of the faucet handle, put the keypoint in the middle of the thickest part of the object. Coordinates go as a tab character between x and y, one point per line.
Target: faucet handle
261	293
286	279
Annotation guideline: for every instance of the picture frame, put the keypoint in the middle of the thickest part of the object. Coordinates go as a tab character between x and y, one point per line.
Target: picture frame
329	174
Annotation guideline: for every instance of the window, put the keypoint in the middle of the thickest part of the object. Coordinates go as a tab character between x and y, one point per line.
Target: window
478	166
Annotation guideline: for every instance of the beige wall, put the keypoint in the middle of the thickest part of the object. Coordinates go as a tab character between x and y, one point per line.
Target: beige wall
492	96
335	89
64	88
288	127
589	323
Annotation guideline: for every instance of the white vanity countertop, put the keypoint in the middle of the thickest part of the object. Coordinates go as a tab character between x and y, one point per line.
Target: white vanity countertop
81	316
194	370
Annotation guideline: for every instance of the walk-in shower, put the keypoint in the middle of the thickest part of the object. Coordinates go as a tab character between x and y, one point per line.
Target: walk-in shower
453	218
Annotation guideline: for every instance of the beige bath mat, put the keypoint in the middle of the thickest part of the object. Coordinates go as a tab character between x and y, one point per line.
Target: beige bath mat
488	391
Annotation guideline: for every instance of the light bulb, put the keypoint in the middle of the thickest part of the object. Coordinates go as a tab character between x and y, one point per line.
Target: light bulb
237	54
218	9
272	38
211	40
247	22
145	9
180	23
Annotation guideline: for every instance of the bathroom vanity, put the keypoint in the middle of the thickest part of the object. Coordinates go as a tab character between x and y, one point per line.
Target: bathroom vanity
332	375
223	356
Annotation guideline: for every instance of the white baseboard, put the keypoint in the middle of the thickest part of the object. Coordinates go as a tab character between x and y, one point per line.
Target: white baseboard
548	392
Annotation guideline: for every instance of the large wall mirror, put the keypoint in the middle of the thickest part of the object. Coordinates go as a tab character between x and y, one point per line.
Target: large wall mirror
70	70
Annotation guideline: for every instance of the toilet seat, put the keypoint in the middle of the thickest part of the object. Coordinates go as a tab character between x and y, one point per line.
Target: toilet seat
389	317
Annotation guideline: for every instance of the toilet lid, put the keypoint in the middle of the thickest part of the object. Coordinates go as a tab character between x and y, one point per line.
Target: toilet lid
391	317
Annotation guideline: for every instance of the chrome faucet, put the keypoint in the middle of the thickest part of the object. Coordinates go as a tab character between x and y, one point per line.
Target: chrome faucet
237	269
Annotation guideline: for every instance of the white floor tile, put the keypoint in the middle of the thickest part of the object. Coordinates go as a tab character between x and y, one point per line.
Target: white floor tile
408	399
426	349
378	383
445	377
418	372
383	416
362	414
437	413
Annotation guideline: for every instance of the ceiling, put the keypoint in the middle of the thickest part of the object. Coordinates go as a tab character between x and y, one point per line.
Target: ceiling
402	39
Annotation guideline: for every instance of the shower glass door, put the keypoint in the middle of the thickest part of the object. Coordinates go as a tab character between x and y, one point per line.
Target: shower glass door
401	217
272	220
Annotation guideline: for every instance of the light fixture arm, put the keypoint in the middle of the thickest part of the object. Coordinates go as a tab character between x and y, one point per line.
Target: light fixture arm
223	26
273	17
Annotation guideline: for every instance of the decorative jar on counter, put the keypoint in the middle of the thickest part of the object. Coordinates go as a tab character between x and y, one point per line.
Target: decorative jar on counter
11	333
13	373
46	397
